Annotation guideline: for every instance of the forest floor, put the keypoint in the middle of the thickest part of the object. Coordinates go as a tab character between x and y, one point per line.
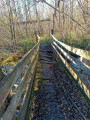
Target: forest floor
10	56
50	100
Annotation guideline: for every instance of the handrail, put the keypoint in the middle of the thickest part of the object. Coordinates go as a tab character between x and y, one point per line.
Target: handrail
80	72
73	60
13	104
83	53
7	83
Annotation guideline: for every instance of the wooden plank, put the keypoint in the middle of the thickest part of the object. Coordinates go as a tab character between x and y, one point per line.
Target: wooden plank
23	113
77	73
8	115
73	60
85	86
83	53
7	83
47	56
46	51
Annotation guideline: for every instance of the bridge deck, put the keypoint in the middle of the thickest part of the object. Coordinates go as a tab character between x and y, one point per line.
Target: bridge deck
56	97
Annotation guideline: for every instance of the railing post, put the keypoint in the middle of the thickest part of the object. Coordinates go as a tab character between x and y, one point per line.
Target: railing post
36	36
52	31
8	82
79	71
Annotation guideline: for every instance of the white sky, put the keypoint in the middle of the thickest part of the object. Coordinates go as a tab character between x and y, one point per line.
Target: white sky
45	9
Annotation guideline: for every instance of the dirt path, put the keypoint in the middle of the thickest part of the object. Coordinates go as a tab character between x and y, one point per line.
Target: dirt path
51	101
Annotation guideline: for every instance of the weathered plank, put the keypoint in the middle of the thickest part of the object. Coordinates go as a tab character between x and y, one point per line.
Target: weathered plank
83	53
7	83
73	60
23	112
8	115
83	84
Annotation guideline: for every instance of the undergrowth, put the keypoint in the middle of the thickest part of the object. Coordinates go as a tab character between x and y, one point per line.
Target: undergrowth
10	60
75	40
23	46
45	39
27	44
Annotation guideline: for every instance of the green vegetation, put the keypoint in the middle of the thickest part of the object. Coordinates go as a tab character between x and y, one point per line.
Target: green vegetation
45	39
23	46
26	44
78	41
35	89
10	60
13	58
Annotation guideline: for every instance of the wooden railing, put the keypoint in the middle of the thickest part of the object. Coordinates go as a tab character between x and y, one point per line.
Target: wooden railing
69	56
19	83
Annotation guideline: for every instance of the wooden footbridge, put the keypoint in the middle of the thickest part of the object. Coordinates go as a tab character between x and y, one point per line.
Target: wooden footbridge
19	82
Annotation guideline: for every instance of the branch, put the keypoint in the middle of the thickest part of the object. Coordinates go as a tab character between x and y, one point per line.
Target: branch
66	15
4	25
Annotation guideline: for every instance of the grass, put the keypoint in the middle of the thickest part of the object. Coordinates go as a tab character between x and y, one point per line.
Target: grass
24	44
75	40
45	39
11	60
27	44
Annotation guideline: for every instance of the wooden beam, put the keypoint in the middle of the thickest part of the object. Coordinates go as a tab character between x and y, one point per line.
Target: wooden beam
8	115
82	83
83	53
73	60
7	83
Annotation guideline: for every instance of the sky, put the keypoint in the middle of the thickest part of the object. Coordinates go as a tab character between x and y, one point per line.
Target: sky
42	7
45	8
